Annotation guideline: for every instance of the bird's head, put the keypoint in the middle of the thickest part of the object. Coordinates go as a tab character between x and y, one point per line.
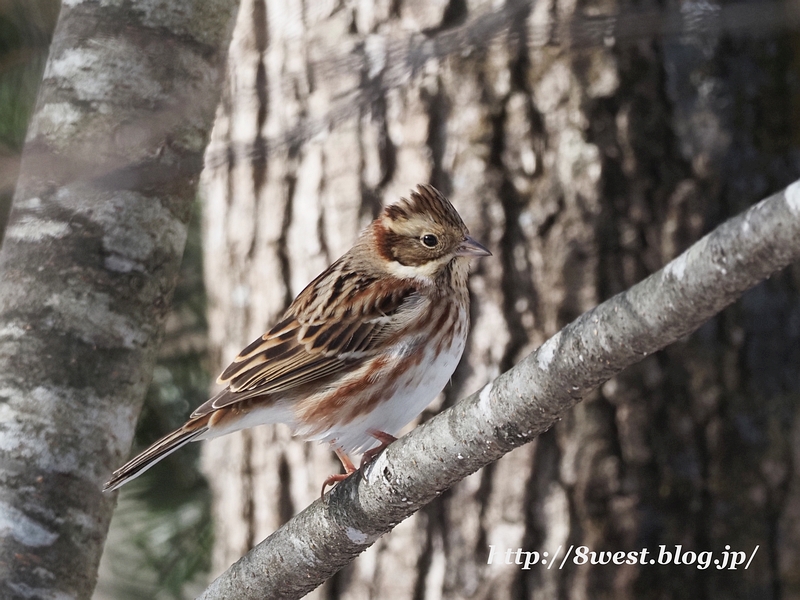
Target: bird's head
419	236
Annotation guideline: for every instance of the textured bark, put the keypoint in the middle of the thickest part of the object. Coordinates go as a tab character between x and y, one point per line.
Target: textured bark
88	266
585	169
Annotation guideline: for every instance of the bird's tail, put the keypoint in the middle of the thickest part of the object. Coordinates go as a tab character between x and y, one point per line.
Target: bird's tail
162	448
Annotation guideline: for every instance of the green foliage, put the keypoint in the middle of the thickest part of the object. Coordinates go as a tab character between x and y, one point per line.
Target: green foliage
26	27
157	549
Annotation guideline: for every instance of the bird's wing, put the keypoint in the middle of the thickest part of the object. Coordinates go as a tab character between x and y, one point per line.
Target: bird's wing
330	327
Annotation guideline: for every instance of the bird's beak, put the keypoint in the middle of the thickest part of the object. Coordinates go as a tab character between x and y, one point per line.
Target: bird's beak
470	247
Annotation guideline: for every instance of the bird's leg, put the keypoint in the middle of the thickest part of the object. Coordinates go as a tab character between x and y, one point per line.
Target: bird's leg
384	438
349	469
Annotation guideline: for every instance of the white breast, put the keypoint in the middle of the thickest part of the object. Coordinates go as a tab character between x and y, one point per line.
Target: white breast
412	392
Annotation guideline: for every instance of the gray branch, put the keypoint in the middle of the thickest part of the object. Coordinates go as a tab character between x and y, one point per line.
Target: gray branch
520	404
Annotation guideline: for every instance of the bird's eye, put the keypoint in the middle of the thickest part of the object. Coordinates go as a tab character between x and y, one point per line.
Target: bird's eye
429	240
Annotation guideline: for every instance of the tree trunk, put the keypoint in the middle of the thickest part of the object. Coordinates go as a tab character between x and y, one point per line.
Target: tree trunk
583	169
88	266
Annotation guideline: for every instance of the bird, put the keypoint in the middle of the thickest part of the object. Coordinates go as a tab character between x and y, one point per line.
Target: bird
361	351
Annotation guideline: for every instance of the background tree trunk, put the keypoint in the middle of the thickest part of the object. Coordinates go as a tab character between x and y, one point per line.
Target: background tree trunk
87	269
583	169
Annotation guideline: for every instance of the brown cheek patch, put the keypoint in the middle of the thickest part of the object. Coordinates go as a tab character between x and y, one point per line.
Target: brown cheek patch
409	252
384	239
406	250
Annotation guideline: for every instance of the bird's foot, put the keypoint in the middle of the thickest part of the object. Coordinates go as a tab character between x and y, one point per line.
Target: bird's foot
349	469
384	438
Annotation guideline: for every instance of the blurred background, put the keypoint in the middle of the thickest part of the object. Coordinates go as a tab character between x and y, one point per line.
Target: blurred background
586	143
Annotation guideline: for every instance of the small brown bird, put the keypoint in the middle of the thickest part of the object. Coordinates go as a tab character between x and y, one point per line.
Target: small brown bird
361	351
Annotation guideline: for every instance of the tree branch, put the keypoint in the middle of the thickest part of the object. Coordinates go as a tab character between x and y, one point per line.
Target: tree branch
520	404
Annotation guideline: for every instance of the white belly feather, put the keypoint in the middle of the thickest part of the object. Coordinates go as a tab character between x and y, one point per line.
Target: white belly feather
414	391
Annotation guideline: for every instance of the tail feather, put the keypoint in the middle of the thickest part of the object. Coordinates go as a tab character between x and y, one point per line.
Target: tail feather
161	449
